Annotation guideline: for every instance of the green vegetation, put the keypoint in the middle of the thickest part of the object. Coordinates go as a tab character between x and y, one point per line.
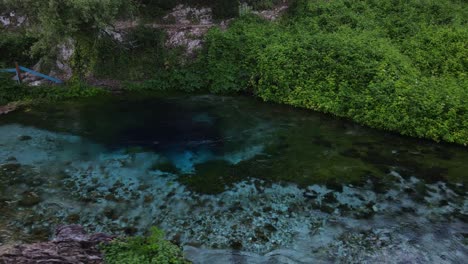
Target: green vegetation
222	9
14	47
53	22
11	92
140	57
395	66
143	250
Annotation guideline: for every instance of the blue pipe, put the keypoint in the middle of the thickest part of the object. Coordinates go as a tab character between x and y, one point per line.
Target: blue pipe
40	75
33	73
8	70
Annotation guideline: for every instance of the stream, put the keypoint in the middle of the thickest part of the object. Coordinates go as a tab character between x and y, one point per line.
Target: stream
233	178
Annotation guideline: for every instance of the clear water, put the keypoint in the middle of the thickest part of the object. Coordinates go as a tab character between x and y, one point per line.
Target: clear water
233	173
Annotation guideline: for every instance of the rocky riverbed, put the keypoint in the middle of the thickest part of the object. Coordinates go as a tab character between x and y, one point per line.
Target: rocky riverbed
223	178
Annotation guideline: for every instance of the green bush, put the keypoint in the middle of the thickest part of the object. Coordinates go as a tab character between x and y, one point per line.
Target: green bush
14	47
394	65
143	250
327	71
142	55
395	19
439	50
230	58
10	91
182	78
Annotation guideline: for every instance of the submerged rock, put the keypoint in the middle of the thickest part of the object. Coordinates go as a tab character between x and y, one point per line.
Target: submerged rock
29	199
71	245
24	138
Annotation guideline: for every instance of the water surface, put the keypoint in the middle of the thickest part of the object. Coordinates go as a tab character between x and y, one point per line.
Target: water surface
232	173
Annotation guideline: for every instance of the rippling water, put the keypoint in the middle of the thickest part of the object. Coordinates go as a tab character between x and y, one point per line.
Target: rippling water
236	175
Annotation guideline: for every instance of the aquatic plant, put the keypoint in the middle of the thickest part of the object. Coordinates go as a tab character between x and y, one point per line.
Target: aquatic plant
143	250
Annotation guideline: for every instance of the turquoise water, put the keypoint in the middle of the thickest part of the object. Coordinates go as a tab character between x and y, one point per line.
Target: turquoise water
232	173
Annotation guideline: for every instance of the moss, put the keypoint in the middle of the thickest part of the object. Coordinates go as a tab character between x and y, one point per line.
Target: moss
148	198
212	177
297	157
329	198
29	199
165	166
73	218
134	150
327	209
236	245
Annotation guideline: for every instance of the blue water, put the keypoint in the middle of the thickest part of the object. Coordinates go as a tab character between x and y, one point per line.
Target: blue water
232	173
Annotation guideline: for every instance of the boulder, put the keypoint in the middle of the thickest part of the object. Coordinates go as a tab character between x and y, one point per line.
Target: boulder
71	245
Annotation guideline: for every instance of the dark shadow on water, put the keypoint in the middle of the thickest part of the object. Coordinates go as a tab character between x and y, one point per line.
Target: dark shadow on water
296	145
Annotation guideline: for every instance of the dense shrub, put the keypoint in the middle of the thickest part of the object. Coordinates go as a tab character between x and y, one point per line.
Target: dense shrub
230	58
14	47
394	65
143	250
10	91
326	70
182	78
55	21
439	50
395	19
140	57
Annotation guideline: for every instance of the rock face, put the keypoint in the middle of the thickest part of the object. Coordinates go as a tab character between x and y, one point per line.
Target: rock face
11	20
185	27
71	245
273	14
191	25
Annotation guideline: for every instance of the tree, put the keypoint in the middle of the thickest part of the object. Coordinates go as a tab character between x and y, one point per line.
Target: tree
53	22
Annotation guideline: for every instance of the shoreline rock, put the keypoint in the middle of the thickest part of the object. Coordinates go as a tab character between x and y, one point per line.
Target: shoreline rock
72	244
10	107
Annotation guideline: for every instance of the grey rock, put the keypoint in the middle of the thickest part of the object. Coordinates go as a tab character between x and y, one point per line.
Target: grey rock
71	245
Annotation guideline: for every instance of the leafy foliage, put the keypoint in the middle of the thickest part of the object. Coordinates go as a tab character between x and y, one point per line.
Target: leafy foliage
183	78
14	46
222	9
392	65
53	22
140	56
395	65
230	58
10	91
143	250
439	50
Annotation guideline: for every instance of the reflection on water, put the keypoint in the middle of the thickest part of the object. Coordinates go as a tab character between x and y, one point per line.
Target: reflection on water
222	172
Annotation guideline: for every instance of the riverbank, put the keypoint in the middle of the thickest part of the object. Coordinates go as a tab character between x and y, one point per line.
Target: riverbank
358	62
